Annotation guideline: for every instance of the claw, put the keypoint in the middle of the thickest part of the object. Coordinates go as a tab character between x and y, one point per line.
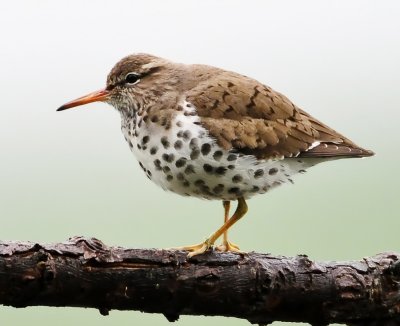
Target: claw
229	246
195	250
226	245
201	250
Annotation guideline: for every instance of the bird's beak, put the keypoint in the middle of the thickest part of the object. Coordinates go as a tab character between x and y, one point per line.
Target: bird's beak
101	95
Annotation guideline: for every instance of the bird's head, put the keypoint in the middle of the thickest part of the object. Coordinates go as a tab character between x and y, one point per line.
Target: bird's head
131	82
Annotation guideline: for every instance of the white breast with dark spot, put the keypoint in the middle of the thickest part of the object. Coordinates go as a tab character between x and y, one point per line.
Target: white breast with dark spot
184	159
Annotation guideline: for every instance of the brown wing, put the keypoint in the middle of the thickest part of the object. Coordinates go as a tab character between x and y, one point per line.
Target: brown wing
244	115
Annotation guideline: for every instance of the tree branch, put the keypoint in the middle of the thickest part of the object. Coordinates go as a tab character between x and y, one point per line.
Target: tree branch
258	287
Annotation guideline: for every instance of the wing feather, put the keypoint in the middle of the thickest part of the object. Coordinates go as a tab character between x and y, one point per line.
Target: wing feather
244	115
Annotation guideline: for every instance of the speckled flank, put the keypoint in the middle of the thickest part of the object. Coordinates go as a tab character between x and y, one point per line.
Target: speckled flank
187	161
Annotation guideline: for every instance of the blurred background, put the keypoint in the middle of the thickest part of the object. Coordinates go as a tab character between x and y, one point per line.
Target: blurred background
71	173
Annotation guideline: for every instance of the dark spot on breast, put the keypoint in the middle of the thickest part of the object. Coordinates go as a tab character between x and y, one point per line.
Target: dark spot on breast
207	168
189	169
178	144
194	154
194	143
217	155
186	183
138	146
179	124
255	189
231	167
259	173
218	188
180	176
179	134
199	183
157	164
163	121
166	169
237	178
181	162
205	189
302	171
130	143
168	157
188	113
169	177
153	150
165	142
221	170
186	135
234	190
273	171
154	119
145	139
205	149
231	157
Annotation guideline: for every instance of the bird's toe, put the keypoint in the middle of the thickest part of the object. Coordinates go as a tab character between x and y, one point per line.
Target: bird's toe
228	246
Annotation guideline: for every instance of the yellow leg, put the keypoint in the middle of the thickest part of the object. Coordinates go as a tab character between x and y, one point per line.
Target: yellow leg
241	210
227	206
226	244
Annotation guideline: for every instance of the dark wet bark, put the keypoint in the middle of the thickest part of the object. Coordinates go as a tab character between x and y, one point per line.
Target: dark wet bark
258	287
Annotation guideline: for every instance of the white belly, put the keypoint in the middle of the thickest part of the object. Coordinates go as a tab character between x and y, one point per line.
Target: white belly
185	160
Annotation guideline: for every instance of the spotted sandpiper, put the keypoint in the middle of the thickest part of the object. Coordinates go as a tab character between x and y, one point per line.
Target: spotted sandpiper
205	132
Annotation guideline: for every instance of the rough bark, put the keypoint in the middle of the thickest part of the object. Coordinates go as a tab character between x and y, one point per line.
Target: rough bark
258	287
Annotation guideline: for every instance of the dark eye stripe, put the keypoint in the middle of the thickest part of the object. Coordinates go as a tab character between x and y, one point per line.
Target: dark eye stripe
122	82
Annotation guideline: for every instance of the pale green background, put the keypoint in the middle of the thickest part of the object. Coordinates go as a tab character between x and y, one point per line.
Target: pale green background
71	173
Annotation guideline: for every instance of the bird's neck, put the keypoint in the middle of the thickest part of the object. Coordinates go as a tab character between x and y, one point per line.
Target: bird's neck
127	107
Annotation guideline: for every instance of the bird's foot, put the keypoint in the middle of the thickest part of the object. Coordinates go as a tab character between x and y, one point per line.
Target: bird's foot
198	249
229	246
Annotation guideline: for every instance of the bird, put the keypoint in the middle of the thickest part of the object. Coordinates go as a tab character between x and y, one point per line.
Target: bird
202	131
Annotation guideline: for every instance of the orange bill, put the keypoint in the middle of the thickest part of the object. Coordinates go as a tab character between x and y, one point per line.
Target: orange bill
97	96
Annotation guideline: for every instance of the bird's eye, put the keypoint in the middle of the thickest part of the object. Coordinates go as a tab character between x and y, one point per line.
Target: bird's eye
132	78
